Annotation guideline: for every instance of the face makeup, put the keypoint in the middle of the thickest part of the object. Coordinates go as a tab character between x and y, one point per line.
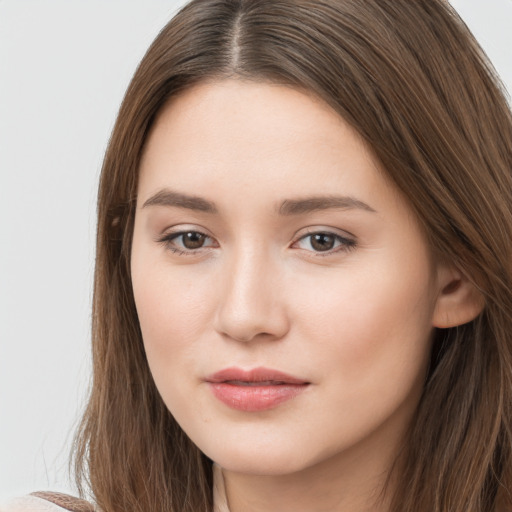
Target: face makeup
284	288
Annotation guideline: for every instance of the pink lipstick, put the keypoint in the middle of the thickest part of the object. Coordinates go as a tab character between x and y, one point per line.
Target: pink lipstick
254	390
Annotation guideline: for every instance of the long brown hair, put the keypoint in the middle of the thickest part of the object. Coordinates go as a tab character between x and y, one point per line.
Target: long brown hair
411	79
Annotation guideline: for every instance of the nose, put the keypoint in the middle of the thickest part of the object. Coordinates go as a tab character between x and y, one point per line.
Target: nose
251	301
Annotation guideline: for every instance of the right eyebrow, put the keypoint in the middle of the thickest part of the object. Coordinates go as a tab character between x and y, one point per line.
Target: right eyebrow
167	197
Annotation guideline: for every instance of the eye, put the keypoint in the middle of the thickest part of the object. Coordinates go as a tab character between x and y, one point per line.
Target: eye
187	242
325	242
191	239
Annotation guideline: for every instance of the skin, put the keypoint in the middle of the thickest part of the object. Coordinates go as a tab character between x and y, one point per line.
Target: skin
355	321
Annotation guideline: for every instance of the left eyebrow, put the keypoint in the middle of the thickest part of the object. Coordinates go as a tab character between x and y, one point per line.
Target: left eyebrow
316	203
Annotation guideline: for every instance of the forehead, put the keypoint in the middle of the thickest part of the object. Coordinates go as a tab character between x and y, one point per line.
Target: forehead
268	140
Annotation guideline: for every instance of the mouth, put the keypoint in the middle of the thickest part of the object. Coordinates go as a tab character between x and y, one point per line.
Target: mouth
255	383
254	390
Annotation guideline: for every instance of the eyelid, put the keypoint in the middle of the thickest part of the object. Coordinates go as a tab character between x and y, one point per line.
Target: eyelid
179	229
311	230
169	235
348	241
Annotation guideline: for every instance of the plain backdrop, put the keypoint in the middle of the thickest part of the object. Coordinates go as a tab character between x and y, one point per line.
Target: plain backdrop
64	66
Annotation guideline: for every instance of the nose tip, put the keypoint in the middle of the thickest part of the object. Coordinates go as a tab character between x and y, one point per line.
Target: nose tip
251	306
245	330
245	321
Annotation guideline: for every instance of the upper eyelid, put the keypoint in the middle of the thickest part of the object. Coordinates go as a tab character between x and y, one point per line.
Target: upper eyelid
172	231
312	228
327	230
176	234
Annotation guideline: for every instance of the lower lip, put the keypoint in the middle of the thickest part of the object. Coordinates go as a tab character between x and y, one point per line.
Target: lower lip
255	398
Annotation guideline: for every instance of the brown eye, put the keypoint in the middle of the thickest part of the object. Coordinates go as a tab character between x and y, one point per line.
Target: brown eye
322	241
187	242
325	242
192	240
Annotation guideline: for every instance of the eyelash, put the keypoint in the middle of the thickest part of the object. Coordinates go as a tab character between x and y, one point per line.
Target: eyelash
168	240
345	244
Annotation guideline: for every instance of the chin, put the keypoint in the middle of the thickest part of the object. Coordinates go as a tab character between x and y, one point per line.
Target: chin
278	464
256	458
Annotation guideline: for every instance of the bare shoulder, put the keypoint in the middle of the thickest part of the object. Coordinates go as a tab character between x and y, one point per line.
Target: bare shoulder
47	502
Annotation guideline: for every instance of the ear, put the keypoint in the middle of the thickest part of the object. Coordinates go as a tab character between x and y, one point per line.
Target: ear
458	301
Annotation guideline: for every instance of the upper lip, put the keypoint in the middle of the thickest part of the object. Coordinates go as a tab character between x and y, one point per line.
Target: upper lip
260	374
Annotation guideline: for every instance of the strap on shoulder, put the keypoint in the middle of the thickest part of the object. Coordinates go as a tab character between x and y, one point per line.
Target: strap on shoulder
65	501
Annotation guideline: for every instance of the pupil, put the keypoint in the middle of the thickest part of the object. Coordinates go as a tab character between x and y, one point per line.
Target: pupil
322	242
193	240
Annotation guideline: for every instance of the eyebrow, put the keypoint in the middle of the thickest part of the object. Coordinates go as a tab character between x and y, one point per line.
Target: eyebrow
170	198
288	207
316	203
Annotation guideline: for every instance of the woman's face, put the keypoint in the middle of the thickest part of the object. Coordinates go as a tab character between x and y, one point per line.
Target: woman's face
267	238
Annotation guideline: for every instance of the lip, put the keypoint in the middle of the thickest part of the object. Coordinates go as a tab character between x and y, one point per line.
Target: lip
254	390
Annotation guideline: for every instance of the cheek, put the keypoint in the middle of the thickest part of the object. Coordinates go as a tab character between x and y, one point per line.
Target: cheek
371	345
173	314
173	310
370	326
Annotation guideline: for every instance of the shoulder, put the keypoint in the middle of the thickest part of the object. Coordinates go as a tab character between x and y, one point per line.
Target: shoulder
47	502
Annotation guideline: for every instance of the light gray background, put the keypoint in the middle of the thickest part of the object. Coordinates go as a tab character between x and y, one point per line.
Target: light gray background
64	66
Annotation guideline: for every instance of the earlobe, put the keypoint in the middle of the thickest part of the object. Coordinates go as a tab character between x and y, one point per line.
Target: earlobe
458	301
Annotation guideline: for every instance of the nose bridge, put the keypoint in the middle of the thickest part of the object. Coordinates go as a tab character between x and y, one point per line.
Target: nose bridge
251	303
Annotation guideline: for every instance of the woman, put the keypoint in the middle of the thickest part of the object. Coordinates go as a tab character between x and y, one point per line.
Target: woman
303	277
